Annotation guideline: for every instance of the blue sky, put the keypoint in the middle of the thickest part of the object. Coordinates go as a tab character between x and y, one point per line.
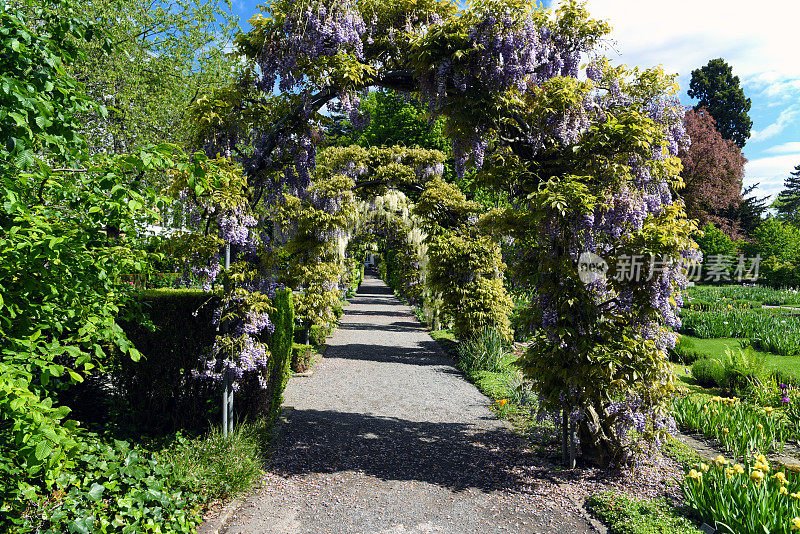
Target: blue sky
760	43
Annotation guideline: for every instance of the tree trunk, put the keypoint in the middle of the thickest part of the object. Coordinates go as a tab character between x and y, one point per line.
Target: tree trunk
599	444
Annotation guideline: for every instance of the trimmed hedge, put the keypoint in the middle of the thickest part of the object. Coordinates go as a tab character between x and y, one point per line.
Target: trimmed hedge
159	394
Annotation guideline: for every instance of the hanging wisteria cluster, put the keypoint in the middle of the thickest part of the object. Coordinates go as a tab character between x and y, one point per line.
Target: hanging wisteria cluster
310	29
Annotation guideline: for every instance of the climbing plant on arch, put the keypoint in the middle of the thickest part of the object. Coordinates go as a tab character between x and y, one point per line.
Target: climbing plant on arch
587	163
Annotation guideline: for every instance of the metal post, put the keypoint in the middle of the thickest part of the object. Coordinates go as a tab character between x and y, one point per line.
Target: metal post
227	392
564	437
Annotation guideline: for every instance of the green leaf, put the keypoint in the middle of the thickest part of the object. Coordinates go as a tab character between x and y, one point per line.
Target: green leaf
43	450
96	491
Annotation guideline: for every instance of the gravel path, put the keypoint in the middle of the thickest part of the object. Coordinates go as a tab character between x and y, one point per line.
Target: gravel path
388	437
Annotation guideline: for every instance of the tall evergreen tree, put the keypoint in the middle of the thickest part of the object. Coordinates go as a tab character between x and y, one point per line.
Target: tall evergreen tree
748	212
718	89
788	202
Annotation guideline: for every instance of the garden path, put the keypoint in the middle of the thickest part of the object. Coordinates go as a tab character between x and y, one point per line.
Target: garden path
388	437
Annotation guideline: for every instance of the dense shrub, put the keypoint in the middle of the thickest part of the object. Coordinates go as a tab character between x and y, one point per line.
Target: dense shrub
684	352
707	372
160	393
742	371
302	357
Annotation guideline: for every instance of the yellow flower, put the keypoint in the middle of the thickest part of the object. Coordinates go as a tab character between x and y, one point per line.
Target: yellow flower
783	490
725	431
761	458
761	467
719	461
738	468
503	402
795	496
768	409
704	467
693	474
795	524
780	477
756	476
729	472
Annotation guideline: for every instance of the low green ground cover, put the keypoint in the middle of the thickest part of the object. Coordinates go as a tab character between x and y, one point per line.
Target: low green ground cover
624	514
766	295
785	366
113	486
771	331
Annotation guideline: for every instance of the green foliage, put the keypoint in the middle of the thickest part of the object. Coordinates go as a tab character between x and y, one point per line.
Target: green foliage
717	89
744	370
776	239
218	467
302	357
625	514
108	488
743	498
725	295
466	272
36	442
156	57
485	351
684	352
788	202
708	372
740	427
715	242
770	330
280	346
398	121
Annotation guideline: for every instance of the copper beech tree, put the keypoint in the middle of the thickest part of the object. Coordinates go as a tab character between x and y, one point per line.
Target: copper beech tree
713	168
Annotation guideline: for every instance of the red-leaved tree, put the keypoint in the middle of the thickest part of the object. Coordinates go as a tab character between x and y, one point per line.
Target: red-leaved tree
713	169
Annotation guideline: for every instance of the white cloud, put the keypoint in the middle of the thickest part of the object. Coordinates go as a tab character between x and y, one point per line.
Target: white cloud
770	172
683	35
786	118
785	148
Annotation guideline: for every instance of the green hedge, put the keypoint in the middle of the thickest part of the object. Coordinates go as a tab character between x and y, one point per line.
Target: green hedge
159	393
251	400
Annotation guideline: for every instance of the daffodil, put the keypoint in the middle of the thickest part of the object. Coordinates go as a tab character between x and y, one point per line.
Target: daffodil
738	468
704	467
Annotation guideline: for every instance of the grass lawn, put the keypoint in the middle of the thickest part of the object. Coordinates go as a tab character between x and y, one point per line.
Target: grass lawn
716	347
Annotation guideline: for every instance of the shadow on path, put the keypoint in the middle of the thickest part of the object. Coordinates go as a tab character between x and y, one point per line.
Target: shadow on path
451	455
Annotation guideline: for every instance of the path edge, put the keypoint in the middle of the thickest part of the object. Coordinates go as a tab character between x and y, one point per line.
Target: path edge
218	524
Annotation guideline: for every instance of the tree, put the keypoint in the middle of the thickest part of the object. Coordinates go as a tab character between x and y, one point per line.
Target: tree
157	58
718	89
713	169
587	165
788	202
715	242
749	212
